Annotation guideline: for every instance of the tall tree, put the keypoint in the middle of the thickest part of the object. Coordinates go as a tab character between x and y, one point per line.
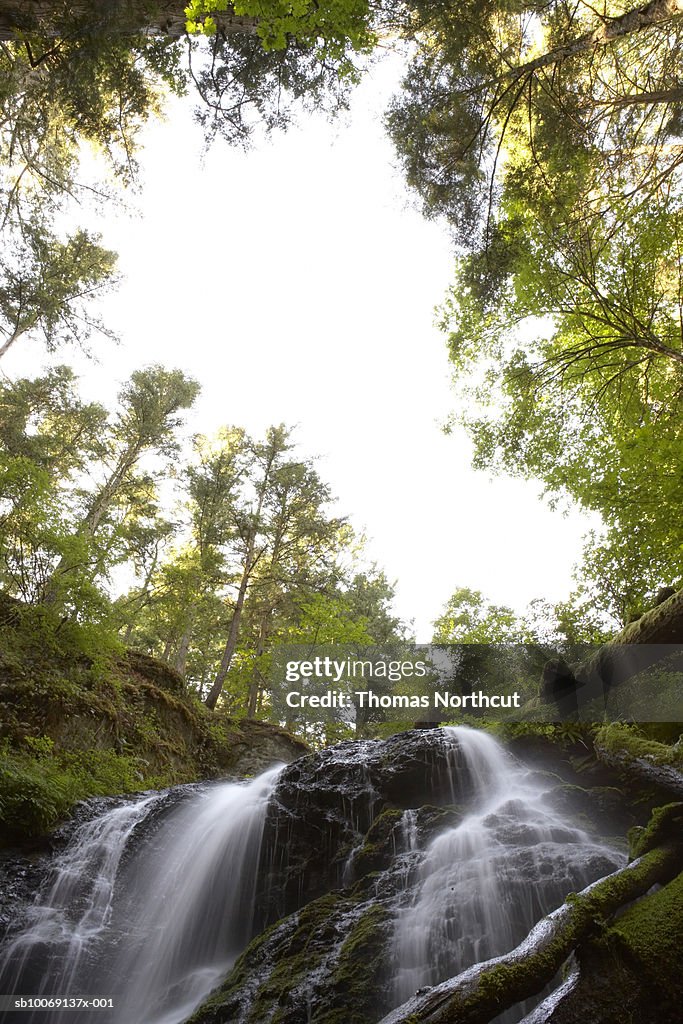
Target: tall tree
213	488
48	439
46	285
282	519
151	404
99	60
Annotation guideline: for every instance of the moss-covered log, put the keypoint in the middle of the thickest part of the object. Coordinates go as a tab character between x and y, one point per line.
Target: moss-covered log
638	646
485	990
655	638
629	972
640	766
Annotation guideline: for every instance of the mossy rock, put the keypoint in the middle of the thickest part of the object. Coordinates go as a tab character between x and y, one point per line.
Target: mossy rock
380	843
77	720
327	961
632	973
650	935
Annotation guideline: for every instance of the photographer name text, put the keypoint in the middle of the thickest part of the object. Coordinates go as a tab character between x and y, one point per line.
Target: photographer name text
368	699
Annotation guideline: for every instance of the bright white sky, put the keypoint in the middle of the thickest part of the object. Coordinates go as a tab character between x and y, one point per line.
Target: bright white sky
297	283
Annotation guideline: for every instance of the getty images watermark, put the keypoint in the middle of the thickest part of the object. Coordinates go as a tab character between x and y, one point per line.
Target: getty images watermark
507	682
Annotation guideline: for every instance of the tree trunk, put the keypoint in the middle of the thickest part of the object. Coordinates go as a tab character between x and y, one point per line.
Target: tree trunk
658	12
656	635
180	660
231	645
256	678
52	18
485	990
94	516
6	346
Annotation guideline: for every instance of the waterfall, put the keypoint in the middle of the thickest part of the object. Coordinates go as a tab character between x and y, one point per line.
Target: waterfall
483	884
153	898
149	905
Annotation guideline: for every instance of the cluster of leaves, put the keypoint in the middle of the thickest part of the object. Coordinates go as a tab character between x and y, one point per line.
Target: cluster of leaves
333	27
58	95
549	136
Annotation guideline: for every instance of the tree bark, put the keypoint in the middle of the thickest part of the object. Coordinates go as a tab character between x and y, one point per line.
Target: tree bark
231	644
16	334
638	646
485	990
256	677
656	635
180	660
126	17
650	15
673	95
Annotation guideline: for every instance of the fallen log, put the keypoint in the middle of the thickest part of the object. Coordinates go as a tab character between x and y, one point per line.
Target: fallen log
663	777
543	1013
636	647
655	638
487	989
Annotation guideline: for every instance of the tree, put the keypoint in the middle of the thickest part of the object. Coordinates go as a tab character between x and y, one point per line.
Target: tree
147	420
46	285
549	136
48	439
256	545
283	535
213	486
99	59
73	74
581	88
469	618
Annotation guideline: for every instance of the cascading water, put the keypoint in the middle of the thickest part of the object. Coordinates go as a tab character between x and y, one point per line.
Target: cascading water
484	883
149	905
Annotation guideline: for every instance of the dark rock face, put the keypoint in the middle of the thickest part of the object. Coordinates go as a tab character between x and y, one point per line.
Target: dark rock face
21	875
325	804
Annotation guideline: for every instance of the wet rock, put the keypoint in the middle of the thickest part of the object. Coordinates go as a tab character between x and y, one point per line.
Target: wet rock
602	809
327	962
21	875
326	802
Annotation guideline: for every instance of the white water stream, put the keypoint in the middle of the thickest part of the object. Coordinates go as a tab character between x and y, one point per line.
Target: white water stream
153	923
483	884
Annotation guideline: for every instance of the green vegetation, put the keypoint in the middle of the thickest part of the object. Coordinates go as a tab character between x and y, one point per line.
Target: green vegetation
548	136
244	552
635	741
79	719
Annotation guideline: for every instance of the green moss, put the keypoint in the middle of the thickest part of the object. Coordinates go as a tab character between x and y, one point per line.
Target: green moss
78	722
361	957
621	738
378	846
650	935
665	823
287	954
